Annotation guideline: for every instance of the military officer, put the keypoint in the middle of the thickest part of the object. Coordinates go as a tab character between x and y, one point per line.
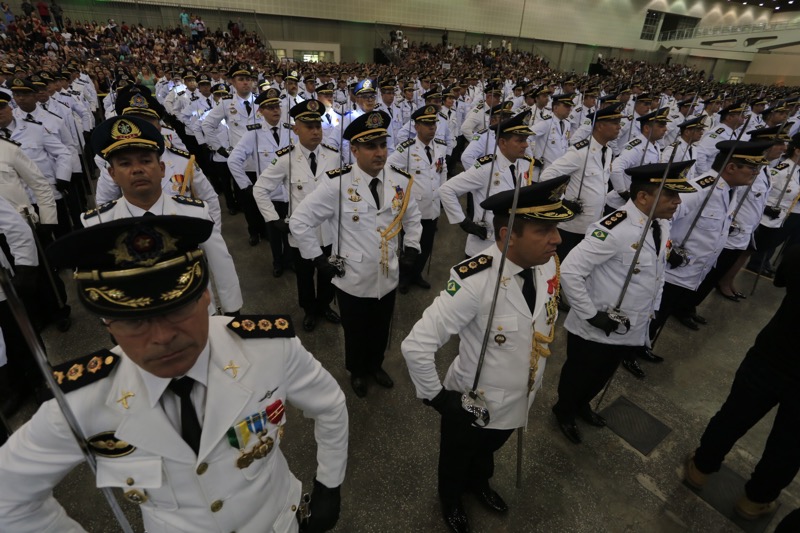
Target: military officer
592	278
683	114
404	106
290	95
731	119
237	110
298	169
479	116
366	99
367	205
482	141
707	239
168	412
551	136
638	151
424	157
522	328
251	155
589	174
691	131
330	118
132	147
491	173
641	106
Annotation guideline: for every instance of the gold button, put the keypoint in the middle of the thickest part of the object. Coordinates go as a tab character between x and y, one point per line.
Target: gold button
294	508
216	506
355	218
201	468
129	481
299	187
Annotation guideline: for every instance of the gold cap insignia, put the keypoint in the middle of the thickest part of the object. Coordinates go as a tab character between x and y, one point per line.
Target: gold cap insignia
125	129
375	120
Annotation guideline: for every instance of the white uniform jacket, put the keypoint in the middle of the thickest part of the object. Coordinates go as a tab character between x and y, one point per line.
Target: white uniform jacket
749	215
707	147
633	155
463	309
345	201
21	244
789	203
549	143
216	251
593	273
290	170
232	110
184	492
17	171
259	142
684	152
428	177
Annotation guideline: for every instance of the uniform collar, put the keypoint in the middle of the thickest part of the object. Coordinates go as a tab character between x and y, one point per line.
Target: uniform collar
156	386
305	151
157	208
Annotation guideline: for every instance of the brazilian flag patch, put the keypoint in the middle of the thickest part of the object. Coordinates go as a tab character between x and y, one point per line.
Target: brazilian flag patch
599	234
452	287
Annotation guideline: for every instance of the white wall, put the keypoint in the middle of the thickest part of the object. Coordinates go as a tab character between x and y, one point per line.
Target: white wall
776	67
292	47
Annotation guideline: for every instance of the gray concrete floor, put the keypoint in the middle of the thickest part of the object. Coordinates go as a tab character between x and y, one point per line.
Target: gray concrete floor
603	485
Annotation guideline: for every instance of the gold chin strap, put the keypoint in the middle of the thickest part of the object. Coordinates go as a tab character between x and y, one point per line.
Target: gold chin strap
394	229
539	348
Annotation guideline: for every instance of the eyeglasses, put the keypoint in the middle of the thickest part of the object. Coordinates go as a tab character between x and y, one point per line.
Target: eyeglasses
135	327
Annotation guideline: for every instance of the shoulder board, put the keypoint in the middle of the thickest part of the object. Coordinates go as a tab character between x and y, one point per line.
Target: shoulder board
439	141
407	143
251	127
781	166
339	171
179	152
546	117
285	150
481	132
84	370
676	143
485	159
330	147
31	121
287	125
479	106
180	93
581	144
442	115
283	96
227	97
578	110
635	142
705	182
100	209
720	130
60	102
262	326
613	219
11	141
473	265
187	200
401	171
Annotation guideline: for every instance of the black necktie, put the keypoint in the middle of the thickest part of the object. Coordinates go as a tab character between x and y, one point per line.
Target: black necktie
513	170
208	103
428	153
449	112
373	187
248	107
6	133
328	118
389	109
30	117
690	152
312	162
276	136
148	214
561	125
528	290
44	106
190	425
657	235
603	156
730	195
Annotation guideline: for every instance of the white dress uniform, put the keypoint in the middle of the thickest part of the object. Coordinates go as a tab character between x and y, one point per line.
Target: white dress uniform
21	244
749	215
287	103
476	119
43	147
633	155
428	177
66	134
258	141
707	147
595	181
232	110
539	114
463	309
685	152
16	172
179	491
290	170
220	261
330	124
451	116
78	107
549	142
673	131
476	179
709	235
174	94
195	109
630	126
176	166
593	273
790	203
357	232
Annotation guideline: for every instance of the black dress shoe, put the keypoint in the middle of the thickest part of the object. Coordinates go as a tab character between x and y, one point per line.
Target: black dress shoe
359	385
277	271
383	379
309	322
403	288
592	418
332	316
254	240
232	211
570	430
739	295
491	500
632	366
731	297
700	320
648	355
688	322
455	517
421	282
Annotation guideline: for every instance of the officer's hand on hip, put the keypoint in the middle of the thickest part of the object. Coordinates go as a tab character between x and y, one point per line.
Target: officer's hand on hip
323	509
474	228
601	320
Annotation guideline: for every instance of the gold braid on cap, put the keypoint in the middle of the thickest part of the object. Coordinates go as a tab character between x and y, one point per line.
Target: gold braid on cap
96	275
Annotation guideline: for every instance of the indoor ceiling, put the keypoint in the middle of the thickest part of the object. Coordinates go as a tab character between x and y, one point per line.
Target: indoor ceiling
776	5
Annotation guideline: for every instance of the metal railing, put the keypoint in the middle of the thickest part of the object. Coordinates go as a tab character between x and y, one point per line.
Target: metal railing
715	31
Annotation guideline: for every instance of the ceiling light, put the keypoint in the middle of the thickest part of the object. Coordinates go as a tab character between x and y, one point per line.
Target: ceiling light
761	4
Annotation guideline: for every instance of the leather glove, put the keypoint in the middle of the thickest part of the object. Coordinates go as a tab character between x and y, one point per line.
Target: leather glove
324	508
625	195
223	152
674	260
448	403
408	259
772	212
601	320
281	225
62	186
575	207
324	267
474	228
24	280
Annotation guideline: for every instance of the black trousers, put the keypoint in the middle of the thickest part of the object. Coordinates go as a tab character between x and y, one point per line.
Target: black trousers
725	261
21	373
221	179
675	300
282	253
756	389
466	456
588	367
569	240
366	323
313	301
255	222
429	229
